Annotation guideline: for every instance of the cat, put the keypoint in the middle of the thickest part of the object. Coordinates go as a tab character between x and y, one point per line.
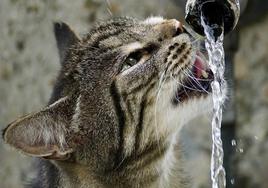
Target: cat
123	93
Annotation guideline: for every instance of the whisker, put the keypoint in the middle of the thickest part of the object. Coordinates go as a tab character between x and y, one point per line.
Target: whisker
195	80
199	48
182	85
160	85
176	96
191	75
190	88
121	162
109	7
198	39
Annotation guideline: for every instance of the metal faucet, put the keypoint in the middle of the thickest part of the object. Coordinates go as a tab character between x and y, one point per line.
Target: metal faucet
216	13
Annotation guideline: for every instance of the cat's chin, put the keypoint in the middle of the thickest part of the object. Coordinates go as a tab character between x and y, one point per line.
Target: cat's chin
197	107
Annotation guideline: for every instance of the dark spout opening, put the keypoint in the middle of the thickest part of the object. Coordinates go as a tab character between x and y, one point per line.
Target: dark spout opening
217	14
213	15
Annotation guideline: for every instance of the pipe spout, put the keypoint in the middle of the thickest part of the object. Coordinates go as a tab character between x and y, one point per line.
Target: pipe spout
222	13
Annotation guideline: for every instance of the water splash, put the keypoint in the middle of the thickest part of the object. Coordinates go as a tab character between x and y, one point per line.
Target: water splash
233	142
215	50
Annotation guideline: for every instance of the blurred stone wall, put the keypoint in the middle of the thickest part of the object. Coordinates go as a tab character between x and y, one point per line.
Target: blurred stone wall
251	66
29	65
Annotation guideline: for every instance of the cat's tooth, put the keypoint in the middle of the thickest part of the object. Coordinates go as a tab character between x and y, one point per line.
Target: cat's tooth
204	74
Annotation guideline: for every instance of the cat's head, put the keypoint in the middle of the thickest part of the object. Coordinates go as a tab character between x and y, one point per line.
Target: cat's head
123	87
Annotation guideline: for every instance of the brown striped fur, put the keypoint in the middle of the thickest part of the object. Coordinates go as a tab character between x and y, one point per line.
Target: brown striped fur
106	127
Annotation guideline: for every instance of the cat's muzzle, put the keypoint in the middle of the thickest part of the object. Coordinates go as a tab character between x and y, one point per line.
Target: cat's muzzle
197	83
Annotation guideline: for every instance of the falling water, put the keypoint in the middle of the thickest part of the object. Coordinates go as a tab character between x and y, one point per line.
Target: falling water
215	50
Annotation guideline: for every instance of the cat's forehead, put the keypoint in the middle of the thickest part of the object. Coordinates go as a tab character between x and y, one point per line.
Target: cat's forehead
122	31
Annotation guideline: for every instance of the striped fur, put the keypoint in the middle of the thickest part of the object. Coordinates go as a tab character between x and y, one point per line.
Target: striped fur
122	126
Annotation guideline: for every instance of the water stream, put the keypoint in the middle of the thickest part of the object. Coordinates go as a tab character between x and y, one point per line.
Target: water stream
217	64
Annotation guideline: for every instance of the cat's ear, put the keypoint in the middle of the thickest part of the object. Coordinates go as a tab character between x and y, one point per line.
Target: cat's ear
65	38
42	134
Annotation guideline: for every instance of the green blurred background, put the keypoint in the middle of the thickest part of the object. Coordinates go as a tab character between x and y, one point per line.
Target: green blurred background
29	64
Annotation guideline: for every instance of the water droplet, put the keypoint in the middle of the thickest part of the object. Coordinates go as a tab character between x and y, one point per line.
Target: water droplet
232	181
233	142
241	150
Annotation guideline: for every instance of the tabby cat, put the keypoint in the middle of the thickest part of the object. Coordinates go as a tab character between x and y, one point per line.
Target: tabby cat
122	96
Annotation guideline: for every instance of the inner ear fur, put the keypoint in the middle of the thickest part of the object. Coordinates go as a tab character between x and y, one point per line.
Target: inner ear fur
42	134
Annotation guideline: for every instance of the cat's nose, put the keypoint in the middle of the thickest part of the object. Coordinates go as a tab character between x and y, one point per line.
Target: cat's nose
171	28
178	26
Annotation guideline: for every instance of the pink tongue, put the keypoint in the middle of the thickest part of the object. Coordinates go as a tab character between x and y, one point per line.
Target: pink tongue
199	66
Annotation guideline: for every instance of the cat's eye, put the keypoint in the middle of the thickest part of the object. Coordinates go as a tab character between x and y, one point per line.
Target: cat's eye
133	59
130	61
138	56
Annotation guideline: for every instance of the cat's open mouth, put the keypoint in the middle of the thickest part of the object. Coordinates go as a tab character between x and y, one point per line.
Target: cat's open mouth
197	82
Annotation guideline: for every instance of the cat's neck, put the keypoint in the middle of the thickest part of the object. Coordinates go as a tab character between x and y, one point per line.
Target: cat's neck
173	174
159	172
